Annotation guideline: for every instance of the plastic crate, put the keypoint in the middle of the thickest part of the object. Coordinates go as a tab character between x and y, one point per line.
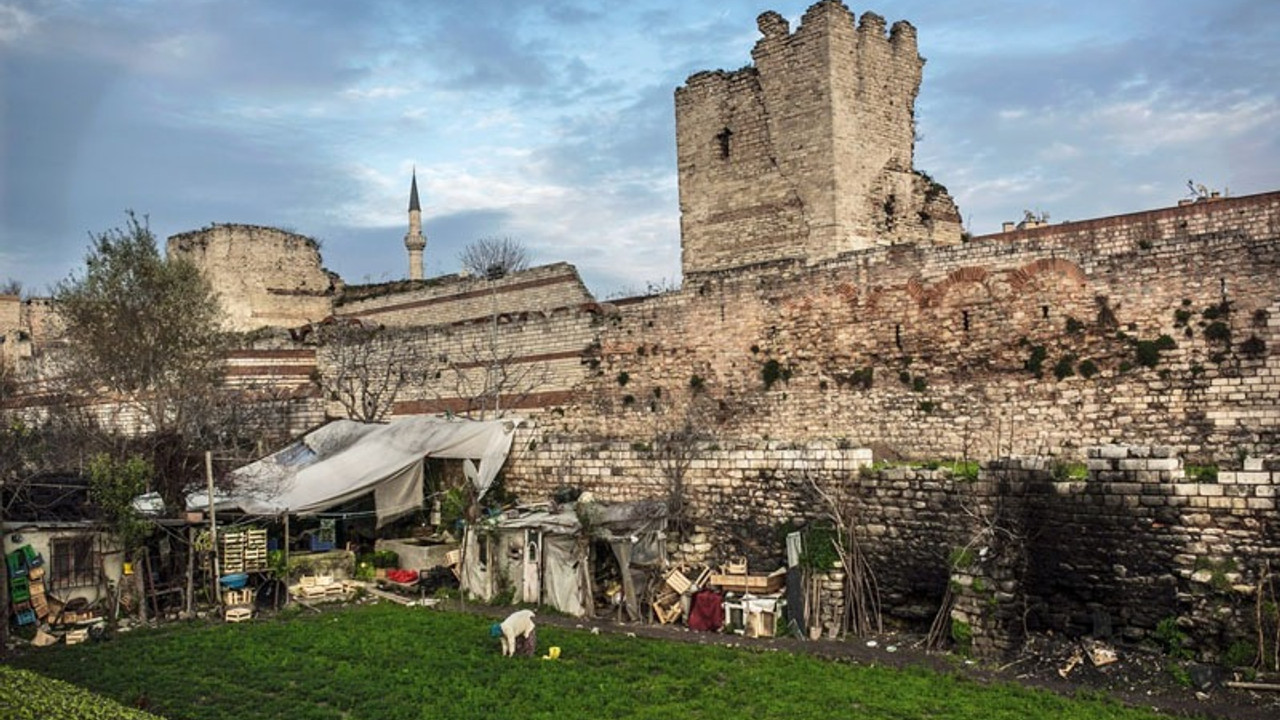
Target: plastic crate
17	563
31	556
19	589
25	617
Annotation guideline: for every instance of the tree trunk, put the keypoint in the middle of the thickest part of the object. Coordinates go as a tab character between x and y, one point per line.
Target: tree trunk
4	582
140	579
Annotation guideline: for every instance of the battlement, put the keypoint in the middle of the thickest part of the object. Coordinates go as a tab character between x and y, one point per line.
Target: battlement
808	152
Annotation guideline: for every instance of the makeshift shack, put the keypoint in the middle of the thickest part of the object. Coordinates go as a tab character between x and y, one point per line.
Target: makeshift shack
345	459
56	550
545	554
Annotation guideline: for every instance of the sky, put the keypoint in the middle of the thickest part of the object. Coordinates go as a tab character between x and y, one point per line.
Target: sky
552	121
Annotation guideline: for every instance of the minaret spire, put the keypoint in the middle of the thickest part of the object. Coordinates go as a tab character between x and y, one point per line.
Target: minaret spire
414	240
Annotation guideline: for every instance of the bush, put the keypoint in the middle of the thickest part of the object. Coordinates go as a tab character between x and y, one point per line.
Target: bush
1035	363
772	372
1064	367
1218	331
33	697
1087	369
1254	346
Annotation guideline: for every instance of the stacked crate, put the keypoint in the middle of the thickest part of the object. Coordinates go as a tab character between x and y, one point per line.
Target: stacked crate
26	585
233	552
255	550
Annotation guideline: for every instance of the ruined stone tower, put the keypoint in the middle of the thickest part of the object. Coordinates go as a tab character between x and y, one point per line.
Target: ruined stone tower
807	153
414	240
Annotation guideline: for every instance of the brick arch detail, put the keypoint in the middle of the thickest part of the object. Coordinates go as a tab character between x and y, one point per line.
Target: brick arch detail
933	296
1019	278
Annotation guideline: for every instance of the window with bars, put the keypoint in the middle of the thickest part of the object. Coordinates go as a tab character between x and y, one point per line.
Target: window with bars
75	562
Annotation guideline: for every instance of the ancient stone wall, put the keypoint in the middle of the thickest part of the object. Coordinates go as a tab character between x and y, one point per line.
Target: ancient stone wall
807	153
264	277
1160	327
528	361
1110	552
456	298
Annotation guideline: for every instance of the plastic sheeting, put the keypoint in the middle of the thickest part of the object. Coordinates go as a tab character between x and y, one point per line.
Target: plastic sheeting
346	459
495	552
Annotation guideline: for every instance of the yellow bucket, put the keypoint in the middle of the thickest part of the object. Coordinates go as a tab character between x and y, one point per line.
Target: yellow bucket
553	653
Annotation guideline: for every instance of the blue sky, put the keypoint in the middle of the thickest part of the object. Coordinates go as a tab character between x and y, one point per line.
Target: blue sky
551	121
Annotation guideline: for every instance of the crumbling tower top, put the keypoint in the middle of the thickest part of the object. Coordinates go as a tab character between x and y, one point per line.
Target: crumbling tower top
808	152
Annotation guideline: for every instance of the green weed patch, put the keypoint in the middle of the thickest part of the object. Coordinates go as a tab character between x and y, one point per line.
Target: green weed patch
390	662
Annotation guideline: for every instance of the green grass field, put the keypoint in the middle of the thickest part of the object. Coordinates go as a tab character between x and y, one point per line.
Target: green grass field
385	662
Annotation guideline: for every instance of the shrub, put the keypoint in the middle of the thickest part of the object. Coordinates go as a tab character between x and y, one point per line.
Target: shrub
696	383
1254	346
772	372
623	378
919	384
1172	639
1147	352
1218	331
1035	363
1202	473
1074	326
962	634
1241	654
1218	311
1064	368
1087	369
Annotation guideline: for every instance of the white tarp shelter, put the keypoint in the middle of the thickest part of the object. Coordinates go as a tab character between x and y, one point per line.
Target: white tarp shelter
543	555
345	459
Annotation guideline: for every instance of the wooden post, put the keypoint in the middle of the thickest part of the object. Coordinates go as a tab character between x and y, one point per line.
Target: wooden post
213	526
286	550
191	570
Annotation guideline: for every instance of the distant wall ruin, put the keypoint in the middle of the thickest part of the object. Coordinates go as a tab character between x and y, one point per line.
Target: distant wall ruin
264	277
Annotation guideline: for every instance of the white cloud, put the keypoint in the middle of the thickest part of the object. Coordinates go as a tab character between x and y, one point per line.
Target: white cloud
383	92
15	23
1150	125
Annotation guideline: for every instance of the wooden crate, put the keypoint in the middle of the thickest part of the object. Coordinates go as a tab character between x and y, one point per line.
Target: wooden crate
75	637
239	614
754	584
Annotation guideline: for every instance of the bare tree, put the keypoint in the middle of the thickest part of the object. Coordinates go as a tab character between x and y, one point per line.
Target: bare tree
494	257
367	368
488	377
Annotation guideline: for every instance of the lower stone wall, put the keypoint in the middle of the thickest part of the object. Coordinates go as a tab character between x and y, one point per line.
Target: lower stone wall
1111	551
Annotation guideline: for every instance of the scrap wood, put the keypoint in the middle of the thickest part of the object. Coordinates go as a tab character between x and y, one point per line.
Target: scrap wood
1101	654
393	597
1274	687
1076	658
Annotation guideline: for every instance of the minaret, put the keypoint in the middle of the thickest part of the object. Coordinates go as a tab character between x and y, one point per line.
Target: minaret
414	239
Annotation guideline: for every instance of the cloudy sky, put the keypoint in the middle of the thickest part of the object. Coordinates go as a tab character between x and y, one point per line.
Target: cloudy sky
551	121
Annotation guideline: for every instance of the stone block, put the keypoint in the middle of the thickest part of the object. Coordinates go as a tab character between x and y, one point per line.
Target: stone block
1253	463
1210	489
1113	451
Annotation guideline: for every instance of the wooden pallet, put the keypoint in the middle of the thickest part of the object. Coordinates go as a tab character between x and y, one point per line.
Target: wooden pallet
239	614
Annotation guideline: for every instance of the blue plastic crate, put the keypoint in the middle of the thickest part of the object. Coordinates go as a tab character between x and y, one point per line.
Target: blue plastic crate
26	617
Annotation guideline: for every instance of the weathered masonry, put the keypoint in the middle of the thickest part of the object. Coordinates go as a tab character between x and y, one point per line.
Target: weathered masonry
832	313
